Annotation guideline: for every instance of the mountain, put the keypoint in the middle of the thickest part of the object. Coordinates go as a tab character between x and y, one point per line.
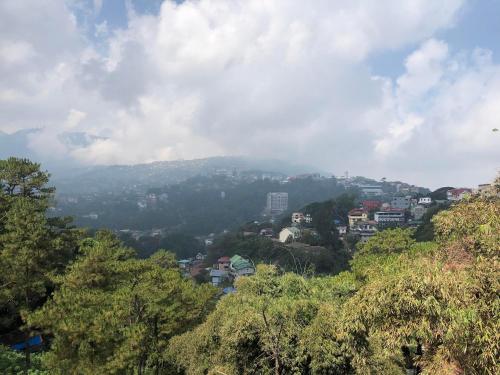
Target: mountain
16	144
143	176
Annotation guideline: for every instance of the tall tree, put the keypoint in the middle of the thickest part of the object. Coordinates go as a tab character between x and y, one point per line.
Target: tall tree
113	313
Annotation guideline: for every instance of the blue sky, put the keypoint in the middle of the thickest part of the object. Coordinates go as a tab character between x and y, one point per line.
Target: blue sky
401	89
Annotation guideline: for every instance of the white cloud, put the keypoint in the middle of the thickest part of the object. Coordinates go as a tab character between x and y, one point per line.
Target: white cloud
275	78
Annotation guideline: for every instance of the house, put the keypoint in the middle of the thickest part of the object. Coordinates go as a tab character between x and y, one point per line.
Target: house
298	217
223	264
425	200
391	218
371	205
458	194
289	233
184	264
308	219
401	203
365	229
357	214
241	267
342	230
217	276
267	232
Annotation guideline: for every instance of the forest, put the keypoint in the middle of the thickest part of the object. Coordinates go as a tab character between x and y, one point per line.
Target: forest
96	308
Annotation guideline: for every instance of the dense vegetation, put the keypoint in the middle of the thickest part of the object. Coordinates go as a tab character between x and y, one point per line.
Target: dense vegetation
197	206
428	306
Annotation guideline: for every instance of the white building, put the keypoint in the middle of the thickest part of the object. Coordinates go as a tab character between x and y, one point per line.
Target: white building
425	200
298	217
371	190
391	218
458	194
289	233
277	203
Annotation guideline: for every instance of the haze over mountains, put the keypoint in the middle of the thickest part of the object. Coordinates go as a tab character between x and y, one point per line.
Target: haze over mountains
70	176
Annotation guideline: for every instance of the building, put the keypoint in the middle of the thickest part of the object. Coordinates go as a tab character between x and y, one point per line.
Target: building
289	234
217	276
277	203
458	194
308	219
365	229
401	203
298	217
425	200
267	232
241	267
371	205
355	215
223	264
371	190
184	264
342	230
418	211
388	219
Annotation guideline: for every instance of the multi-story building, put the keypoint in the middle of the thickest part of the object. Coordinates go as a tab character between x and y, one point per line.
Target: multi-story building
298	217
355	215
364	229
401	203
277	203
458	194
370	205
392	218
425	200
371	190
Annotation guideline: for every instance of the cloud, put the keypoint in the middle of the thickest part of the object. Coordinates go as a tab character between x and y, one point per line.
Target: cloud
267	78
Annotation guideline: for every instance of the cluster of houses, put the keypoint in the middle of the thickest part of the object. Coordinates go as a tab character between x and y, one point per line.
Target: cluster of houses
402	210
230	268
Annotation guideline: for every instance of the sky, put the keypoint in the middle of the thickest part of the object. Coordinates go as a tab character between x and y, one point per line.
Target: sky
407	90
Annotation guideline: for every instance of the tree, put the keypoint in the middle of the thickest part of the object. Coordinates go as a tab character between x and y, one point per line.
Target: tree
114	313
266	327
440	307
21	177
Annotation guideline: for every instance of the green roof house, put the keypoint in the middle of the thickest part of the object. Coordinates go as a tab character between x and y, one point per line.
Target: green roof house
241	266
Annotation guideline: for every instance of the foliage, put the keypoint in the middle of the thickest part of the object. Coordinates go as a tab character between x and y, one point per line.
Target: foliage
114	313
12	362
264	328
32	247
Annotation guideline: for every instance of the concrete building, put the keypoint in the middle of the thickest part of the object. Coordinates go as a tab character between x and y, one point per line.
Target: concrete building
425	200
388	219
458	194
298	217
223	264
371	190
277	203
365	229
355	215
401	203
217	276
342	230
289	234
